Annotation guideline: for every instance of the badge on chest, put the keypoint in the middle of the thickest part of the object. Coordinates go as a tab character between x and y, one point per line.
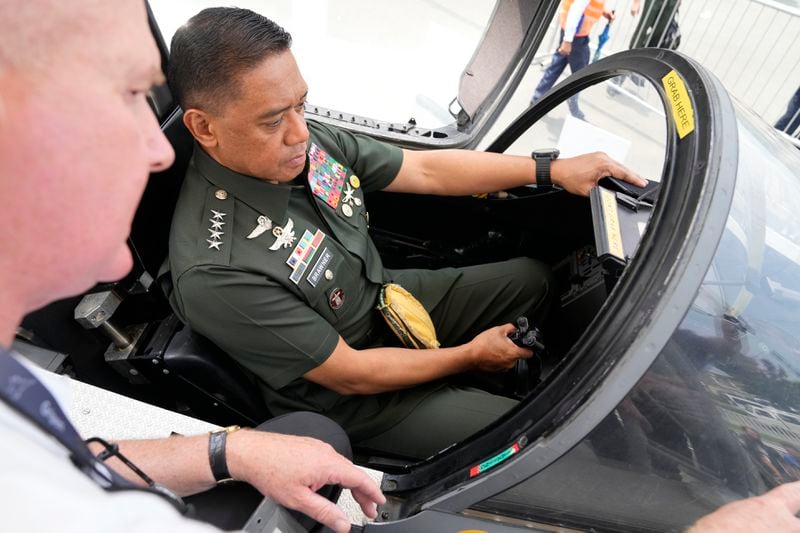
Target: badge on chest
328	181
303	253
325	175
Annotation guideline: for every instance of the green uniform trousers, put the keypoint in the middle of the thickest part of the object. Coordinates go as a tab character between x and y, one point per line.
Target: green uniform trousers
484	296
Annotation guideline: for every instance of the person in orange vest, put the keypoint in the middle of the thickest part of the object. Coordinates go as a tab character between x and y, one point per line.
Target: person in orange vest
577	19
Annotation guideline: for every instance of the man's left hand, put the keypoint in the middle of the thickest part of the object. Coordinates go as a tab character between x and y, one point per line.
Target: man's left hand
610	15
580	174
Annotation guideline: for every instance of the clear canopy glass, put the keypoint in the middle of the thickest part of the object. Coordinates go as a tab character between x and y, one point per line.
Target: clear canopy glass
717	415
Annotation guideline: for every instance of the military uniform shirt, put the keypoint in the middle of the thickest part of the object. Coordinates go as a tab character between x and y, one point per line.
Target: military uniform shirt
277	304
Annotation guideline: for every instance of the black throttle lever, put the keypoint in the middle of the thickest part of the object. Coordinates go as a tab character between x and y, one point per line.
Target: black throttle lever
528	337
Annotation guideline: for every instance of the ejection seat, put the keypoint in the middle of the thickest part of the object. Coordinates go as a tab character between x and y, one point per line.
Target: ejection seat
196	376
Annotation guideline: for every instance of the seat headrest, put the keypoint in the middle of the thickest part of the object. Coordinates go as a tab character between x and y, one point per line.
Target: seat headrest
150	230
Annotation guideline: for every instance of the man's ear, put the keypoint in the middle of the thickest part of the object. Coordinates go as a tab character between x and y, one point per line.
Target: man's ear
200	125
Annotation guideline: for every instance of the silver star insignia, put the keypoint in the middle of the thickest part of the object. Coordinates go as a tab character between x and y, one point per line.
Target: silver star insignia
216	224
284	236
218	215
216	234
213	244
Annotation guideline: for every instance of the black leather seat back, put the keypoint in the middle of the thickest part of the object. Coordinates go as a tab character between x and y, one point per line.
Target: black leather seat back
217	384
150	230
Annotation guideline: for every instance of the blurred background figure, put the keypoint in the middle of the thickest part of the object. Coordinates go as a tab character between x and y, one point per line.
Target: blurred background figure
603	38
790	121
577	19
658	27
764	455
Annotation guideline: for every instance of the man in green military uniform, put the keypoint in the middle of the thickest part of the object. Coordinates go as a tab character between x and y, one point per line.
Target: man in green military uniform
270	256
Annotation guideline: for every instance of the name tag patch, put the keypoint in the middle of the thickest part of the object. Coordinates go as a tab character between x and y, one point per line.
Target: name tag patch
303	253
325	175
319	267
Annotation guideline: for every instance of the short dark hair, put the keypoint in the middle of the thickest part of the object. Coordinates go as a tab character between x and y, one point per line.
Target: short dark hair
213	48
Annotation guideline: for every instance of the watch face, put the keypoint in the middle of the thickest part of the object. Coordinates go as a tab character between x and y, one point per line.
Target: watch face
546	153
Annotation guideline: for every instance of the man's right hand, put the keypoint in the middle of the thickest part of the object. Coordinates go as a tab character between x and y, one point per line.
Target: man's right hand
495	352
565	49
774	511
290	470
581	173
375	370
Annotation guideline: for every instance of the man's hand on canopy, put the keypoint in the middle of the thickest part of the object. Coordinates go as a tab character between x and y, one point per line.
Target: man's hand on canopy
291	469
771	512
580	174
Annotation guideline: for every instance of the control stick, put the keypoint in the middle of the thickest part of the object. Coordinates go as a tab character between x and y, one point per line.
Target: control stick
526	336
529	337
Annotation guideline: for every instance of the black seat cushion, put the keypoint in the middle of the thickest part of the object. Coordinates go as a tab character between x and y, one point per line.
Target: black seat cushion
207	368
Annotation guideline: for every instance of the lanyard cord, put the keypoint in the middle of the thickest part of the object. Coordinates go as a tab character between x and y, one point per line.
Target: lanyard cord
25	394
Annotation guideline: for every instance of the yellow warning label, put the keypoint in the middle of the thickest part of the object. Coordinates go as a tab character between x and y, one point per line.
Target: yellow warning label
609	201
682	110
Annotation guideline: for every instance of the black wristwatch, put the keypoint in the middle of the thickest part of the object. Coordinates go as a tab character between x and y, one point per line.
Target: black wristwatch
544	158
216	453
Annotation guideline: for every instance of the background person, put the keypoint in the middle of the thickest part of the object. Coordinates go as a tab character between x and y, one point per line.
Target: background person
790	121
578	17
658	25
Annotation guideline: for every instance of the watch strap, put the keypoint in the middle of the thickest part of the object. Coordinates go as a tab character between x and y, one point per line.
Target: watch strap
543	171
217	441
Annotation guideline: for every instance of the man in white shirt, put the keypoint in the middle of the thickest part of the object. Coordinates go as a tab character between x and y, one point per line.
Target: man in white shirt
77	143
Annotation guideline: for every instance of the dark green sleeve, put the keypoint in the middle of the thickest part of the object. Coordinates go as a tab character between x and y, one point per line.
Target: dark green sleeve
375	163
259	323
